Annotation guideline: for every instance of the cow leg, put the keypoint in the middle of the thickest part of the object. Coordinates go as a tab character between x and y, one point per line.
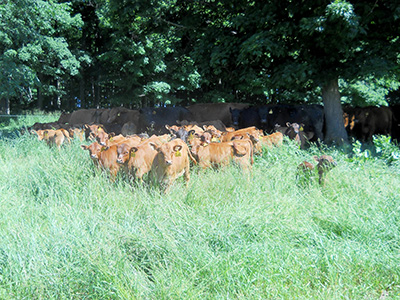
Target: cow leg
187	174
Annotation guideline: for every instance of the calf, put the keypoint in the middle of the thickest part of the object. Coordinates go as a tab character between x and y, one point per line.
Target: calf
325	164
171	162
104	157
241	133
274	139
53	137
77	133
296	132
137	160
221	154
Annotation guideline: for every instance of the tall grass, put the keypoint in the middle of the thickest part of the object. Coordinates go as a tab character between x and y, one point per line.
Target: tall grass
67	232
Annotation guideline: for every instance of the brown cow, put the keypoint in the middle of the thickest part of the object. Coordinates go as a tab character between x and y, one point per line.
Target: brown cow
53	137
274	139
77	133
221	154
171	162
137	160
104	157
241	133
325	164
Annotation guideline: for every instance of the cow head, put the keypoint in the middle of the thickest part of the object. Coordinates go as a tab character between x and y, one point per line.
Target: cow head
102	137
94	149
124	153
167	152
235	115
325	164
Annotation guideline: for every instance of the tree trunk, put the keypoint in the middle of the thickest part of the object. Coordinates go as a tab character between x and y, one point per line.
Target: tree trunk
5	106
335	131
82	84
39	94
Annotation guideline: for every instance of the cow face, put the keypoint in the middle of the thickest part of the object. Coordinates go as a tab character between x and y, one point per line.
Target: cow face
102	137
168	152
235	115
124	153
94	149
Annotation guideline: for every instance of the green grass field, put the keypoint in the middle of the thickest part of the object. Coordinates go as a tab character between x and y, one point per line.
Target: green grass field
67	232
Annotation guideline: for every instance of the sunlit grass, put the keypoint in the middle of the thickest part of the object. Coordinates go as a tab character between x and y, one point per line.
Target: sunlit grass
67	232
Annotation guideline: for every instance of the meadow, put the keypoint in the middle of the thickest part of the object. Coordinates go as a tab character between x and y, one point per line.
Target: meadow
67	232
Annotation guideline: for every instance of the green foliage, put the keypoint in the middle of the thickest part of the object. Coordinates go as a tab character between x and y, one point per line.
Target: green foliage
382	149
368	92
35	45
135	53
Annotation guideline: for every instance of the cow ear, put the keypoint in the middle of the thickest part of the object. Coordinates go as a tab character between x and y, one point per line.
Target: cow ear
288	124
316	158
84	147
153	146
111	134
177	148
237	137
167	127
103	148
132	151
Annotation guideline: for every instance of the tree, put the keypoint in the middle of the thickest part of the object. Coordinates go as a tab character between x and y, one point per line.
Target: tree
142	55
34	50
307	46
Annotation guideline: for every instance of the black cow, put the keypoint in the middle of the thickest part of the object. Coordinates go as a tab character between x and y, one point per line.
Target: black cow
154	119
370	120
246	117
203	112
311	115
395	122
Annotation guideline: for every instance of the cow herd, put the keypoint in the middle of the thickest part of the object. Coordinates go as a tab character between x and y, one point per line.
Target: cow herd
170	141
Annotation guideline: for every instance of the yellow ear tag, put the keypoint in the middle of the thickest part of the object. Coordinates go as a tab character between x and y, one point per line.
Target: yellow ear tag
111	139
271	112
178	153
154	112
133	153
301	128
214	139
118	114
